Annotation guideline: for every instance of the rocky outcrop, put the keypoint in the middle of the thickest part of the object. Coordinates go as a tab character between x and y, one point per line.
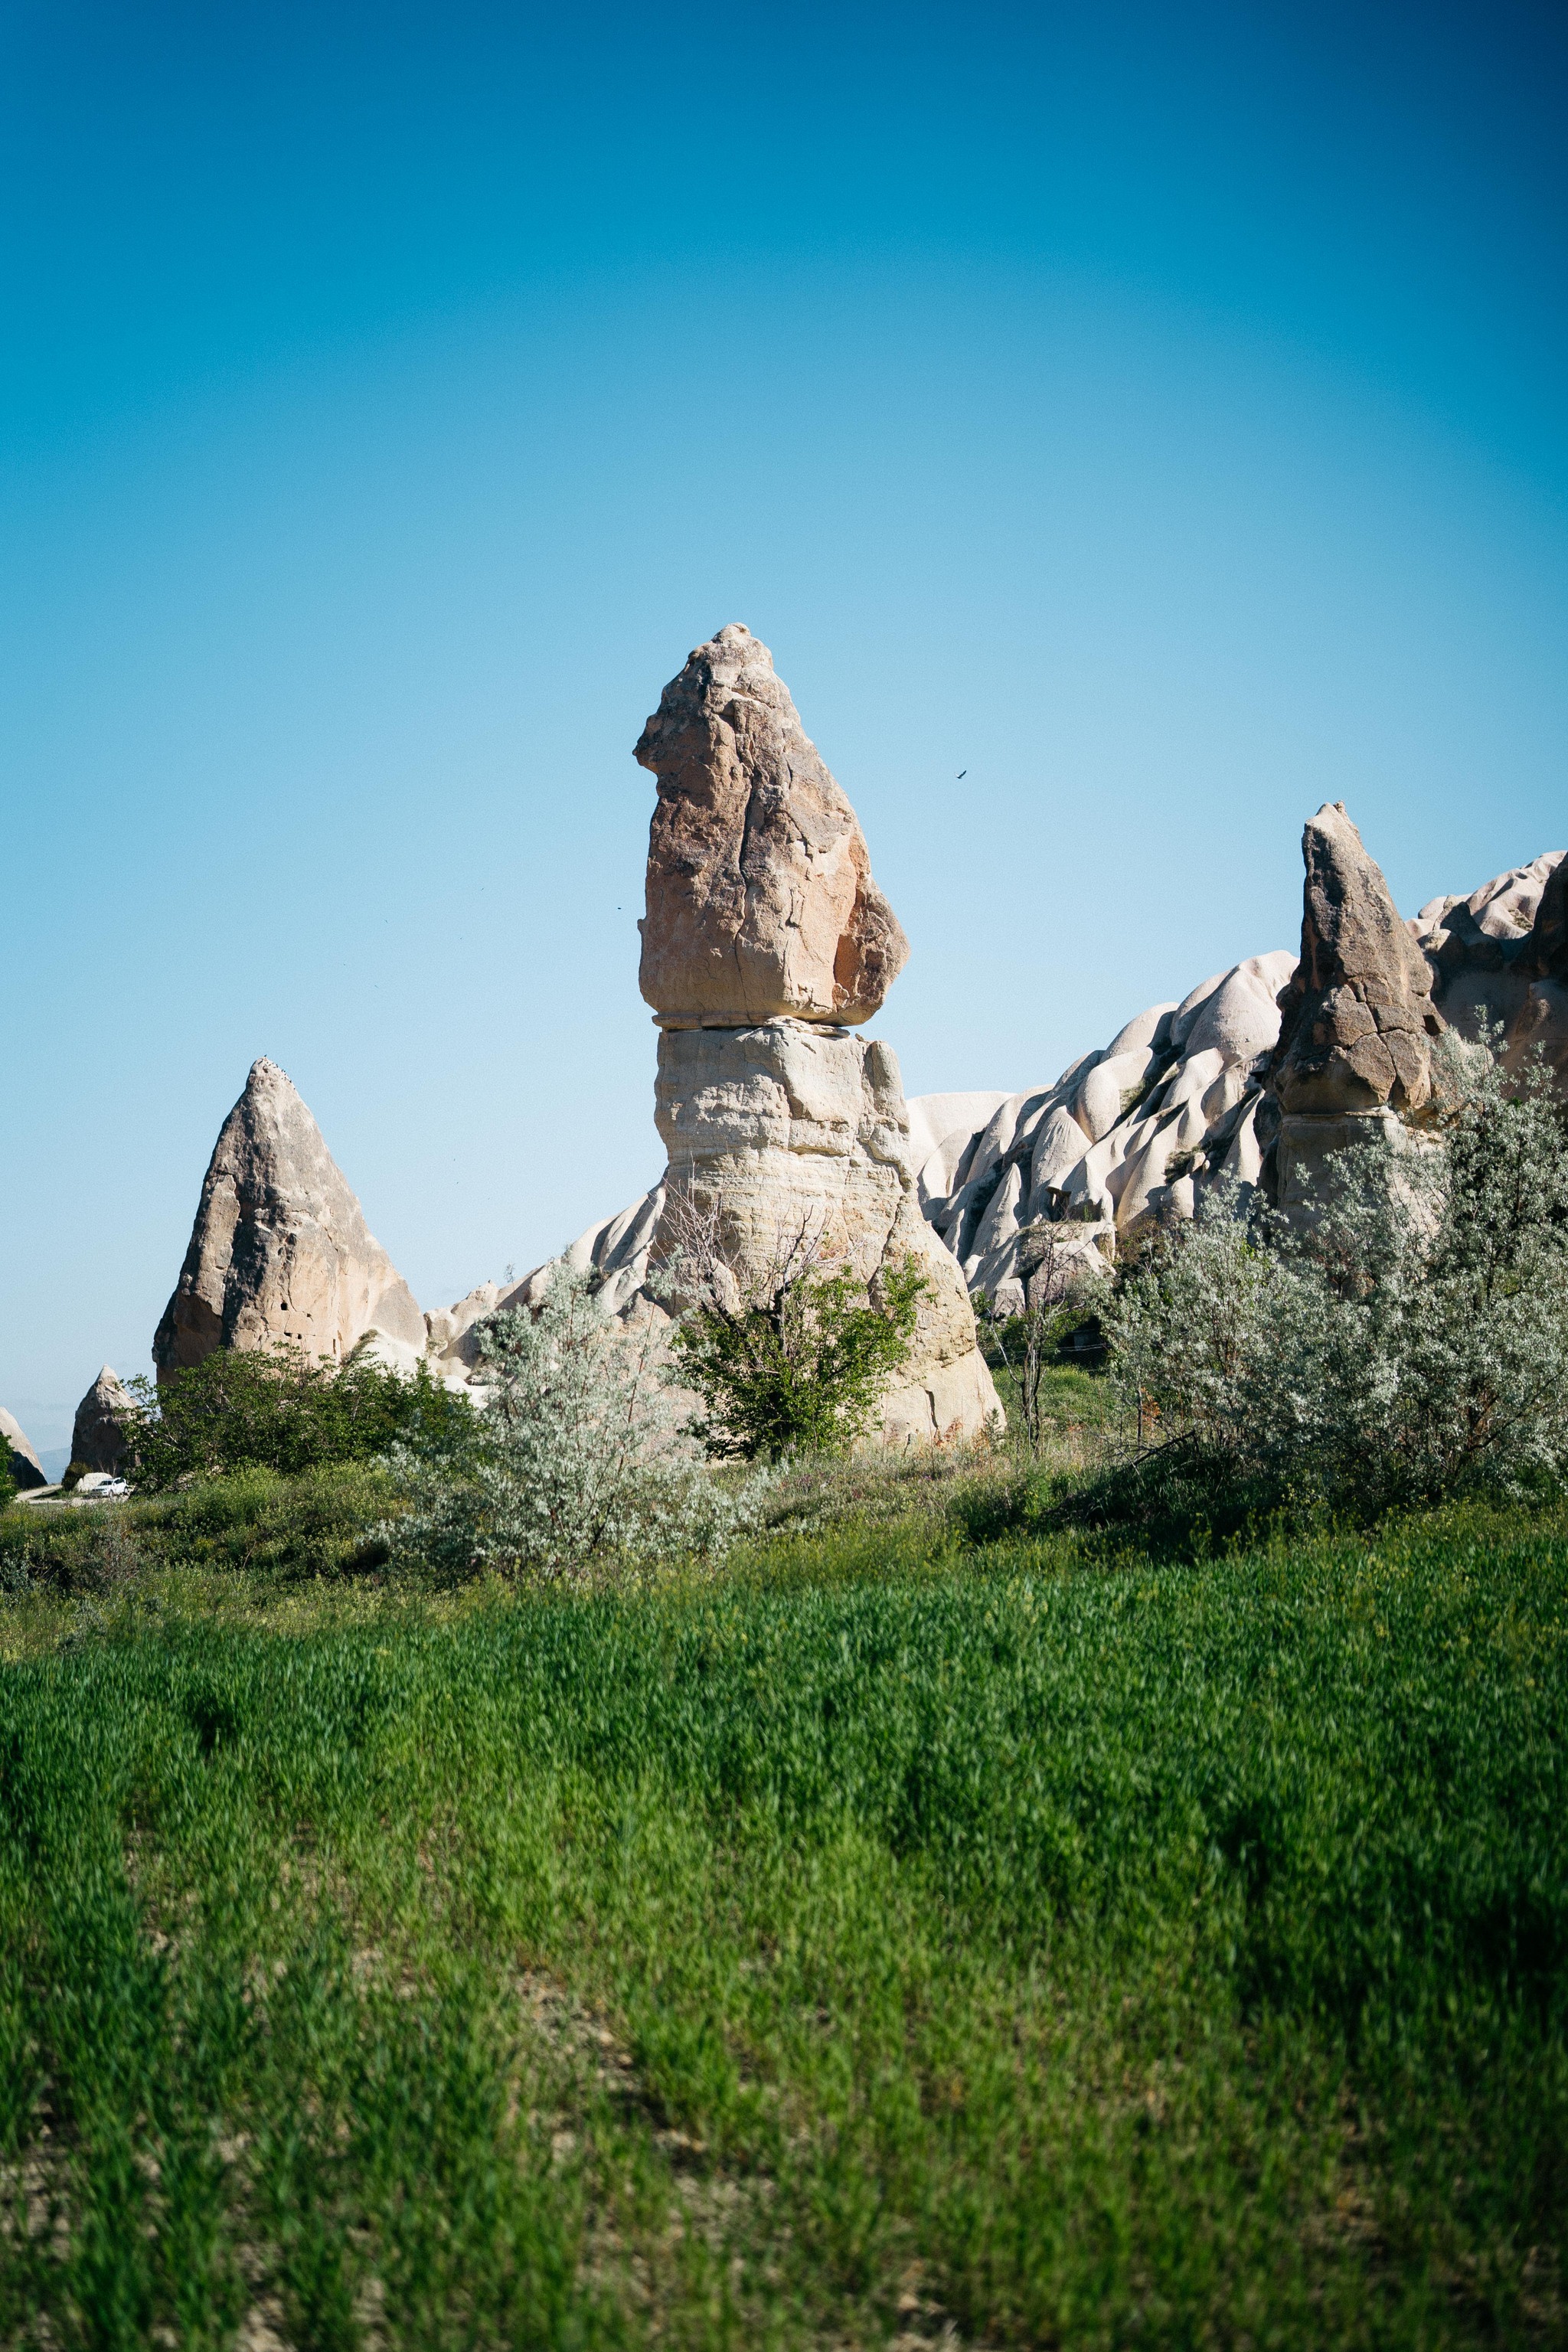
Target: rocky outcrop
1502	956
18	1456
765	940
281	1254
792	1128
1128	1134
98	1436
1136	1130
1185	1094
764	943
1357	1019
760	904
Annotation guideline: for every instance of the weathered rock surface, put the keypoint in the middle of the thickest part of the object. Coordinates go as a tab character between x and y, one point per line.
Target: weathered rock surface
765	940
98	1437
1132	1132
1177	1099
281	1253
1357	1018
26	1470
792	1128
760	898
616	1251
1502	956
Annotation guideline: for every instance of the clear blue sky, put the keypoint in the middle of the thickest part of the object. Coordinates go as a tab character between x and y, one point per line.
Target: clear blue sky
1157	411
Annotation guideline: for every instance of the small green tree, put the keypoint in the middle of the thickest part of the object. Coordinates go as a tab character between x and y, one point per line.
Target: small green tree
277	1408
792	1360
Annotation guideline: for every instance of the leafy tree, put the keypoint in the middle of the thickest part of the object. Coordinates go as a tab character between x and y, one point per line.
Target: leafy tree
576	1461
277	1408
792	1360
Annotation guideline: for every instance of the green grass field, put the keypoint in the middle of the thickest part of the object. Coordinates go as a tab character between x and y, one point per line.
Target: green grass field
894	1939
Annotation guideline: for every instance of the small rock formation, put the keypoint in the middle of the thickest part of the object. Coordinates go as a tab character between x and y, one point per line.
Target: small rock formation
98	1437
1501	954
1356	1019
26	1470
761	905
281	1253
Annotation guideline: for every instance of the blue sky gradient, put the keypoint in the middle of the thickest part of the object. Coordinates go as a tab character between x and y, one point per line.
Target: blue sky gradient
1158	413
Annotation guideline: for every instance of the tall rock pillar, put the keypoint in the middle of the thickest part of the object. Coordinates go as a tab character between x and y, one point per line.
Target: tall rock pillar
1356	1017
766	943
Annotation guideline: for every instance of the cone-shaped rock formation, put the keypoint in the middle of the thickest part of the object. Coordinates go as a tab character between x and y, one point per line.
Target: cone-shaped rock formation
281	1253
16	1454
1356	1020
760	898
98	1437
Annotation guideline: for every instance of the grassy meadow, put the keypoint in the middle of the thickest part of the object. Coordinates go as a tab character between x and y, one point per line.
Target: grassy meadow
930	1929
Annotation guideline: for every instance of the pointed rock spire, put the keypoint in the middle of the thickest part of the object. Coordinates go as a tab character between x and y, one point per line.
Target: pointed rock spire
760	898
281	1253
16	1454
98	1437
1356	1018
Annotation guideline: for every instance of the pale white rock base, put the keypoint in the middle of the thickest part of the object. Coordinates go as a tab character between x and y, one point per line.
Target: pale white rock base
792	1127
785	1126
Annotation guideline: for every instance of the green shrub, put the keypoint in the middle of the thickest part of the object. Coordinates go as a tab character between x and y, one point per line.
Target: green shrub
576	1461
68	1550
795	1361
321	1524
1410	1345
277	1408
